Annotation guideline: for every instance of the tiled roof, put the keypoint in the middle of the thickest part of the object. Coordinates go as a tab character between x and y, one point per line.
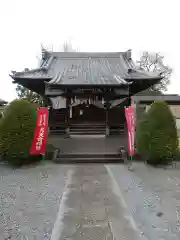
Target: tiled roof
149	95
34	73
149	92
87	68
157	97
2	101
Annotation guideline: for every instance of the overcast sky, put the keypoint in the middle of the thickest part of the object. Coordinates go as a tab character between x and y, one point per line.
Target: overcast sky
91	25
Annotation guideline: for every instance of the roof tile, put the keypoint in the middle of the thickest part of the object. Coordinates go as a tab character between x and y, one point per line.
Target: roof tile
87	68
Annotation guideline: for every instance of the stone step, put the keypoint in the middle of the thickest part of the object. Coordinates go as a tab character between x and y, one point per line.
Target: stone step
57	128
88	124
117	129
88	161
117	132
89	158
58	132
85	131
88	136
88	127
93	127
57	125
89	155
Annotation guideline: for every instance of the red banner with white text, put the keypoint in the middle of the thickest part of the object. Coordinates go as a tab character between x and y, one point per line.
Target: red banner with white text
38	145
129	113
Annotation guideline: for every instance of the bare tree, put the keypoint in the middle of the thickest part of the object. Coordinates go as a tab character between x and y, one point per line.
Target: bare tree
153	62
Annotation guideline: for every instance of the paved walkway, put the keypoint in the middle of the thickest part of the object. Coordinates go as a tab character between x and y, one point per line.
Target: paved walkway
91	209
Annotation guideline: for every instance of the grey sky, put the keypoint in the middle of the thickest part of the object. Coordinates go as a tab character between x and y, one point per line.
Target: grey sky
95	25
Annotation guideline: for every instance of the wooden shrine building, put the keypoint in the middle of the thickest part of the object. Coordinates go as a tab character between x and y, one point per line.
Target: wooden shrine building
86	89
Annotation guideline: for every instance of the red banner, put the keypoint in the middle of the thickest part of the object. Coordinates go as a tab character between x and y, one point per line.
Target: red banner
38	145
129	113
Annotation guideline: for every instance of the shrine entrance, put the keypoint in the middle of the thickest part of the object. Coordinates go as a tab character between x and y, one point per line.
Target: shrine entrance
86	93
85	113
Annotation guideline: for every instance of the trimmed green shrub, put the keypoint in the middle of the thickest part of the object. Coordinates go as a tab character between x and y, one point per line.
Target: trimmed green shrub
141	137
17	131
156	135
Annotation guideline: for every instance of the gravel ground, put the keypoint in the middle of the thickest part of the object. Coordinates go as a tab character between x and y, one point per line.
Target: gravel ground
153	198
29	200
165	184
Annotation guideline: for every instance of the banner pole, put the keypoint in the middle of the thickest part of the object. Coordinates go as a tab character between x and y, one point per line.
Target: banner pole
130	167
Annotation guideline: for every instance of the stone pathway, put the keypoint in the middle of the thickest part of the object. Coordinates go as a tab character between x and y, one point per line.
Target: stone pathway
91	210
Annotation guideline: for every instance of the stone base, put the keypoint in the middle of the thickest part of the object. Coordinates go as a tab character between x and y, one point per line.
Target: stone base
107	131
67	131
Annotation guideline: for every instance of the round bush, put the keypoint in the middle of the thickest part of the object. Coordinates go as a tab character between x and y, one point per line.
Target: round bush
17	131
141	137
157	134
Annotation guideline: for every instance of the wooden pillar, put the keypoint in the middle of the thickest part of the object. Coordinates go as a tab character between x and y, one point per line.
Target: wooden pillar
67	111
107	109
45	101
107	112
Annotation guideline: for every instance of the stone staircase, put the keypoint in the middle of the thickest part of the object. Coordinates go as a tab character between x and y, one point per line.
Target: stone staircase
117	130
82	129
87	129
57	129
89	150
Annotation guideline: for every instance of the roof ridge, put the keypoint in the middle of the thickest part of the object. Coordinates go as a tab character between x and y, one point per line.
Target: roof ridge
2	100
14	73
87	54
